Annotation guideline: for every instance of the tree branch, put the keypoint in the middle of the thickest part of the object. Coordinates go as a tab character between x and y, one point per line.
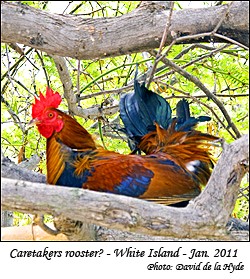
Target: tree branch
209	94
137	31
74	109
13	171
204	218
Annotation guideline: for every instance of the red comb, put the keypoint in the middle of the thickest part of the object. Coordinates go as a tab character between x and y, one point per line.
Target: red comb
51	99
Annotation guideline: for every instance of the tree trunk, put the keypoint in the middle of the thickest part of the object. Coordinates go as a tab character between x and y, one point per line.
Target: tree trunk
137	31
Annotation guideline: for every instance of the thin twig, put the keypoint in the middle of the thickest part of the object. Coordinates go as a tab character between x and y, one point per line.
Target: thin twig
13	114
205	47
44	68
78	78
163	41
231	41
222	18
100	132
200	85
196	36
22	85
76	8
16	48
153	52
16	64
114	91
112	70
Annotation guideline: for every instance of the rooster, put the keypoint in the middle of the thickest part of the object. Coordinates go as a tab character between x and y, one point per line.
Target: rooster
176	161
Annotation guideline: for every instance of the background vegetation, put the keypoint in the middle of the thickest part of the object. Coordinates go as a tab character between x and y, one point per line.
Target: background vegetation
222	68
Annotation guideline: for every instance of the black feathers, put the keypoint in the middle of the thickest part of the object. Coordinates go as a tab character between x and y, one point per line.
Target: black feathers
141	109
184	121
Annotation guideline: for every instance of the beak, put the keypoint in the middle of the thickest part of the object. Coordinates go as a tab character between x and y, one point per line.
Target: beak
33	122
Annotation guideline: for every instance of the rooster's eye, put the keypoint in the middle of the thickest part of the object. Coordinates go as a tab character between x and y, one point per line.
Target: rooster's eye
50	114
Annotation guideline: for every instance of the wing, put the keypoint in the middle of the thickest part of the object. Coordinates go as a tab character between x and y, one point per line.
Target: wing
153	177
109	173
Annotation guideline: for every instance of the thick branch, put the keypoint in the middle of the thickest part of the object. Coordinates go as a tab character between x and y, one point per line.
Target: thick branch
113	211
223	185
13	171
138	31
204	218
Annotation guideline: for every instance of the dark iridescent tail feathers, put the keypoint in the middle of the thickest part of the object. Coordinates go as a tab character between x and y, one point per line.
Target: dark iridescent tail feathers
142	109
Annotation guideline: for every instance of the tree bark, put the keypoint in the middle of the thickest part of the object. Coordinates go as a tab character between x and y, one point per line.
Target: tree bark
10	170
6	218
137	31
205	218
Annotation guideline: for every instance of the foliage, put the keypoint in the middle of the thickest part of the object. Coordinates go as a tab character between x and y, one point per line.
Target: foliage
223	72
